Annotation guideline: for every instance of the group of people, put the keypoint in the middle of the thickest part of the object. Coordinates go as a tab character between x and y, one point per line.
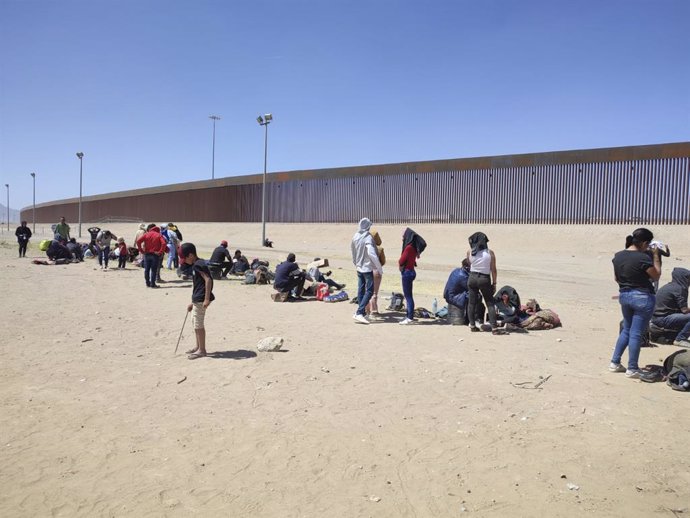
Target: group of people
636	269
466	286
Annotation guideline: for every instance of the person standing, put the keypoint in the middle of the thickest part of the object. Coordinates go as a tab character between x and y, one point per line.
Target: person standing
202	296
173	243
152	245
635	272
23	234
62	230
122	253
104	240
482	279
412	247
373	307
366	262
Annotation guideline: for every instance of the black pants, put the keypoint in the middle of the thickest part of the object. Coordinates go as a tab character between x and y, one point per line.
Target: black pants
480	282
121	261
22	248
295	282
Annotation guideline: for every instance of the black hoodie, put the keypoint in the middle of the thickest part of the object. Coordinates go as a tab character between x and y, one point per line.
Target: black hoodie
673	297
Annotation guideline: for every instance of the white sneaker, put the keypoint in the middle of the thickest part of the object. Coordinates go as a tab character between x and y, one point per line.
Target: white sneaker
633	374
478	323
405	321
616	367
360	318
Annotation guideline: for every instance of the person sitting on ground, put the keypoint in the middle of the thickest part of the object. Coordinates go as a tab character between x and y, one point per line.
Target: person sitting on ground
507	303
75	249
240	263
268	243
218	258
289	277
456	292
316	275
671	309
57	251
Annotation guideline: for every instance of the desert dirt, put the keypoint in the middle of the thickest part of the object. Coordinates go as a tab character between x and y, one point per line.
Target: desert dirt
98	416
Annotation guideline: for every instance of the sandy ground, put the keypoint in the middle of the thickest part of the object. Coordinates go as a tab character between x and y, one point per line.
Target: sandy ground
349	420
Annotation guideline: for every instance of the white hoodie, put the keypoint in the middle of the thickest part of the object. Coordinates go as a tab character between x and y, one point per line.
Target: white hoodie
363	248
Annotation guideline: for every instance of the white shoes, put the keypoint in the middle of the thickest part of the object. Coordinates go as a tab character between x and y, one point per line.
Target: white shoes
616	367
405	321
633	374
360	318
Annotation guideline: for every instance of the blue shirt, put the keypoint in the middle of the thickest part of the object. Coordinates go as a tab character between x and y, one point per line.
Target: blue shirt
457	284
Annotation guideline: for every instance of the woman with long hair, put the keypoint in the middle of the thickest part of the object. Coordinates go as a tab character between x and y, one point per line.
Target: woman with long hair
373	307
635	272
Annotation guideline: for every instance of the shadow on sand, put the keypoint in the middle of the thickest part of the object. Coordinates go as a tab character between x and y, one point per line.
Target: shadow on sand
241	354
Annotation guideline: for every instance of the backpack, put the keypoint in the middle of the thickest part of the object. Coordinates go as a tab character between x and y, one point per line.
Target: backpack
397	302
677	366
43	245
249	277
322	291
260	276
336	297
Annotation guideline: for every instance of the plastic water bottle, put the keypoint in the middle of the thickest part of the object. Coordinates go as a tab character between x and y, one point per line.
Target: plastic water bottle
434	307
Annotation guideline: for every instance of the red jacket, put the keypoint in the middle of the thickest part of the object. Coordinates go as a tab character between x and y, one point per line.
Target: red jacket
408	258
153	242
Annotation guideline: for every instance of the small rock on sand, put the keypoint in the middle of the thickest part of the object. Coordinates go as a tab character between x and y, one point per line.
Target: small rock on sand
272	343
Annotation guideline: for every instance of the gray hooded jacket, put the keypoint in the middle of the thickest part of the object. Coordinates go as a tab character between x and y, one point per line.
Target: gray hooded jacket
363	249
673	297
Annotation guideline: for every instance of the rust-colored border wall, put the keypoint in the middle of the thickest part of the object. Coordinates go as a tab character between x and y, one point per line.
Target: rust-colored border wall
645	184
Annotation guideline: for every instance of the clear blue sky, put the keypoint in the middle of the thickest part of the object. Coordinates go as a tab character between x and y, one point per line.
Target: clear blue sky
131	83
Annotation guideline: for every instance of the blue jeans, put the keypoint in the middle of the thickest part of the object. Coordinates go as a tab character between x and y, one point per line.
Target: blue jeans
150	269
677	322
408	277
104	256
365	290
637	307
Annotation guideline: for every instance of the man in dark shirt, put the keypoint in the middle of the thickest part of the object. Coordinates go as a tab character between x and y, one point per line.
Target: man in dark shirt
289	277
240	263
219	256
58	252
202	296
455	291
671	310
75	249
23	234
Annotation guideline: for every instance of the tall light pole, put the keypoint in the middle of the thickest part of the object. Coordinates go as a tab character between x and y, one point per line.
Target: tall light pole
264	121
8	206
80	155
214	118
33	175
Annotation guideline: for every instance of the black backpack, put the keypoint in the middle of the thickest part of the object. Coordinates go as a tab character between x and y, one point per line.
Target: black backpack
397	302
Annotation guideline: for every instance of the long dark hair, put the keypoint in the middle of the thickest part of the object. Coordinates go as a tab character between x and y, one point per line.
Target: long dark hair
638	237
